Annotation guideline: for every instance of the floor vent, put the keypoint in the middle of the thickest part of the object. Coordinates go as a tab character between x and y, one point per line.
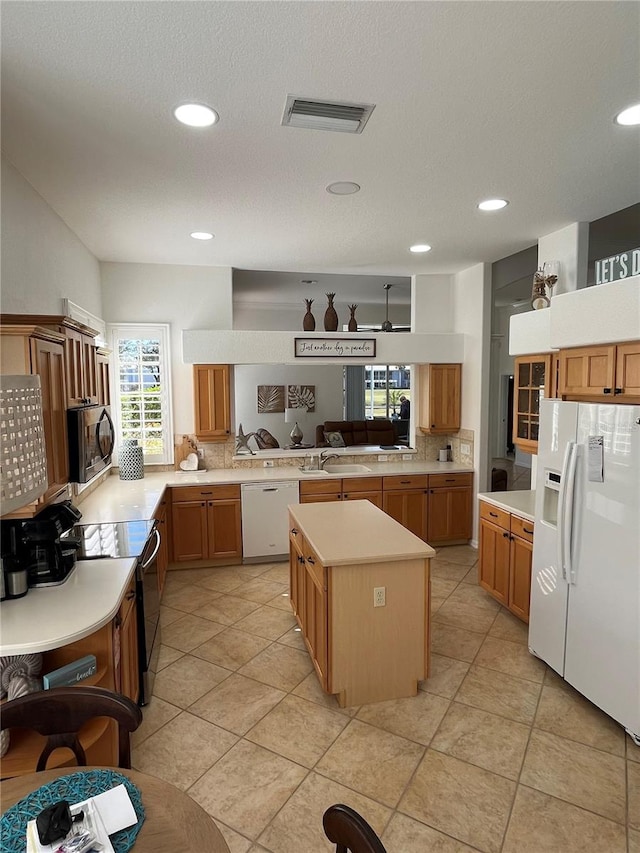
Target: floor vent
326	115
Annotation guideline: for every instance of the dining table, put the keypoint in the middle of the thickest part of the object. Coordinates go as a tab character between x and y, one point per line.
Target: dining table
173	820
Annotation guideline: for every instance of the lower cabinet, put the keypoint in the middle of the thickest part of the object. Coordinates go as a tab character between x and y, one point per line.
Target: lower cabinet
162	561
449	517
404	498
348	489
206	523
308	594
125	627
506	549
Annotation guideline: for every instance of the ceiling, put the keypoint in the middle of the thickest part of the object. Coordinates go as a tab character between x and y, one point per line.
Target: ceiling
473	100
291	288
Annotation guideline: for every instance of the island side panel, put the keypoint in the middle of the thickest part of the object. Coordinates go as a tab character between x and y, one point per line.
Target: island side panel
378	653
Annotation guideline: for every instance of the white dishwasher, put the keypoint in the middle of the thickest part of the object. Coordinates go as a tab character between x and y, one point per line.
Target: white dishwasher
265	519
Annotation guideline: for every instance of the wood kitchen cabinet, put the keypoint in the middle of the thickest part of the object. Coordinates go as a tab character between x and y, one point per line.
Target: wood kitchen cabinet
126	664
449	517
103	377
506	550
212	399
601	373
532	383
206	524
348	489
162	560
80	362
404	498
440	398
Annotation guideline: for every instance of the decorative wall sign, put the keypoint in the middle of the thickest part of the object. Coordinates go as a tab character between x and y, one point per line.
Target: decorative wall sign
270	399
335	348
301	397
618	267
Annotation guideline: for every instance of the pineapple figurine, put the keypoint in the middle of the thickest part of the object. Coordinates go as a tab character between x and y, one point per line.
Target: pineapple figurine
330	315
309	321
353	323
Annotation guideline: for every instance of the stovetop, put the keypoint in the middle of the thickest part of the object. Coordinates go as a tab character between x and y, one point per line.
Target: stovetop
109	539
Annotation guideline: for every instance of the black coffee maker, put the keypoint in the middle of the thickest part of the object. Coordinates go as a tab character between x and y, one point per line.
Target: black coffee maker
48	561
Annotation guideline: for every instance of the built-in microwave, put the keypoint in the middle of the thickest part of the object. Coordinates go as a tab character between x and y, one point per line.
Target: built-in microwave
91	438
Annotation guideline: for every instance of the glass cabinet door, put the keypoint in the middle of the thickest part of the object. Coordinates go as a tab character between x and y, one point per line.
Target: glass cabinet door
531	377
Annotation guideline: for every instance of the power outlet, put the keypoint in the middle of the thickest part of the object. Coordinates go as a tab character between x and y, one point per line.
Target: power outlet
267	463
201	452
382	457
465	448
379	596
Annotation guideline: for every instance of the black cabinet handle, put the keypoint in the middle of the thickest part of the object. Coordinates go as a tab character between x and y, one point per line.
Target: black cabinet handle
606	390
346	497
450	481
505	535
433	426
311	560
204	503
295	531
130	595
404	482
206	493
618	391
530	532
493	514
301	559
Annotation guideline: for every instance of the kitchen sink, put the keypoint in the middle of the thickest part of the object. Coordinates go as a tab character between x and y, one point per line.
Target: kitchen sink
346	469
314	471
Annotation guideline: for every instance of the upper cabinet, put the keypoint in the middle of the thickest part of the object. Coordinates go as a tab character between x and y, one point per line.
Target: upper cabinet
601	372
440	395
532	383
212	398
103	380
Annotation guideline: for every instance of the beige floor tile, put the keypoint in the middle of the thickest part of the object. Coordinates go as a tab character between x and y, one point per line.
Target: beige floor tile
471	576
474	596
189	632
441	568
373	762
442	588
464	616
169	615
188	597
267	622
186	680
282	601
154	716
435	604
542	824
310	689
194	576
235	842
447	674
297	828
293	638
223	580
571	771
167	655
280	666
299	730
509	627
237	703
464	801
510	658
634	841
260	590
455	642
405	835
227	609
182	750
415	718
570	715
174	579
483	739
231	648
464	555
499	694
253	570
633	750
247	787
633	787
552	679
279	573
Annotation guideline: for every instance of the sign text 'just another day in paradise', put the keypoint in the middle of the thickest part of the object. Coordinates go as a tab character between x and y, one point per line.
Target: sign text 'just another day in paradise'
335	347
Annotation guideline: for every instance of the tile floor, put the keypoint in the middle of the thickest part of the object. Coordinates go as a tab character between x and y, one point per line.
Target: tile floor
518	477
495	753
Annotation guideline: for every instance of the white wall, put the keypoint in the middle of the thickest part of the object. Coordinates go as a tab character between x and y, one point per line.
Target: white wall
432	303
43	261
570	246
186	297
328	391
284	316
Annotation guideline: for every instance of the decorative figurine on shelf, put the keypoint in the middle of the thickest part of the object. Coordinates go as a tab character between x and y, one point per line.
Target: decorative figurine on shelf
265	440
353	323
539	298
330	315
242	442
309	321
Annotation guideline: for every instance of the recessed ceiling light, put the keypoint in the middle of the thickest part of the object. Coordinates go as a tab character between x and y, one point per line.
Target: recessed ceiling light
343	188
420	247
202	235
196	115
630	116
493	204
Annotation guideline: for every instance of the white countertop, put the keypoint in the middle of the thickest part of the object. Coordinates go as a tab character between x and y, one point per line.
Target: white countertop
521	503
50	617
346	532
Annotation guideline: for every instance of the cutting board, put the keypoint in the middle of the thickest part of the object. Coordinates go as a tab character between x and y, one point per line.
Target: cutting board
183	449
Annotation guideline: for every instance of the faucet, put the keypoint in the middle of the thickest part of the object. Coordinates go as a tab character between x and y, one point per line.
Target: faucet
324	457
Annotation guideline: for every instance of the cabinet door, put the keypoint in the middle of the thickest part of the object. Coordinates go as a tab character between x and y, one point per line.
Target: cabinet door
520	577
296	575
587	371
532	380
225	528
47	360
103	378
627	371
129	663
89	370
494	560
315	625
409	508
212	401
163	552
449	514
73	353
441	398
189	531
374	497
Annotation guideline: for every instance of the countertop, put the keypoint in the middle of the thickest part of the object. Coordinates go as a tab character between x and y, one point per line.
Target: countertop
522	503
350	532
50	617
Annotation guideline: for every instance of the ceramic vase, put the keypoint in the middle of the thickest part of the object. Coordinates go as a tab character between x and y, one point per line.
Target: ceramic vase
309	321
353	323
330	315
130	461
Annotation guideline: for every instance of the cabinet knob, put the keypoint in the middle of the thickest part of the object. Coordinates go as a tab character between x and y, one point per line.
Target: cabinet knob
618	391
204	503
606	390
433	426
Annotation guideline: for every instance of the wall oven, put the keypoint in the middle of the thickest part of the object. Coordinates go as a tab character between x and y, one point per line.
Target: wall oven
91	439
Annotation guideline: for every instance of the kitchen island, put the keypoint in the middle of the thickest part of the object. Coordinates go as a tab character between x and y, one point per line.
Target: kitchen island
360	592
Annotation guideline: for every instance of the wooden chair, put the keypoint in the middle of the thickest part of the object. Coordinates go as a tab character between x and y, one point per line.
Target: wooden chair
60	713
348	830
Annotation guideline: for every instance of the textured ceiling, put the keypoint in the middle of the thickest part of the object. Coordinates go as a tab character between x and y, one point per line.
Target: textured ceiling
473	100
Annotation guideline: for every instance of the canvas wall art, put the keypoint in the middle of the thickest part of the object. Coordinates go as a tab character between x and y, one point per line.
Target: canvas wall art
301	397
270	399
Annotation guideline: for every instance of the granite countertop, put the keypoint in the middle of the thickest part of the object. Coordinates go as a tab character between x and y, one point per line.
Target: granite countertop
522	503
350	532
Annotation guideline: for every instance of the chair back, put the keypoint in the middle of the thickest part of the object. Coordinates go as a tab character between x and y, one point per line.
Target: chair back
349	831
60	713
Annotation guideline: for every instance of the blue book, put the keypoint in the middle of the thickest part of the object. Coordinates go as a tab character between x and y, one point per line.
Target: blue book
71	673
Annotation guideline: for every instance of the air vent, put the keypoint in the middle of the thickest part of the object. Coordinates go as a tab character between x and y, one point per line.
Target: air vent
326	115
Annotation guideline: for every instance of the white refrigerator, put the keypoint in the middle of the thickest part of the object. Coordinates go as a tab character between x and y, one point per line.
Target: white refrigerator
585	583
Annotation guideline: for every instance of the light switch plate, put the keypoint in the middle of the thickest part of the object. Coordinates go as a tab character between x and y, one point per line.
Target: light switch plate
267	463
465	448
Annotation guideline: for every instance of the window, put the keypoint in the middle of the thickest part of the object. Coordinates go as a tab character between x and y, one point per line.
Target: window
384	385
142	387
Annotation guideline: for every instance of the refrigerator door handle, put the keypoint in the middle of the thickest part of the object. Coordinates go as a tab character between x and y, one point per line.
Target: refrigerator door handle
562	510
568	514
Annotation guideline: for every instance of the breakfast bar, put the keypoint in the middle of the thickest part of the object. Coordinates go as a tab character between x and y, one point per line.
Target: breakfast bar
360	592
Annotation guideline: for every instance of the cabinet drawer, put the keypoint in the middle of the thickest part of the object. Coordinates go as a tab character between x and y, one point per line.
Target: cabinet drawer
320	486
205	493
362	484
495	515
314	566
405	481
439	481
522	528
